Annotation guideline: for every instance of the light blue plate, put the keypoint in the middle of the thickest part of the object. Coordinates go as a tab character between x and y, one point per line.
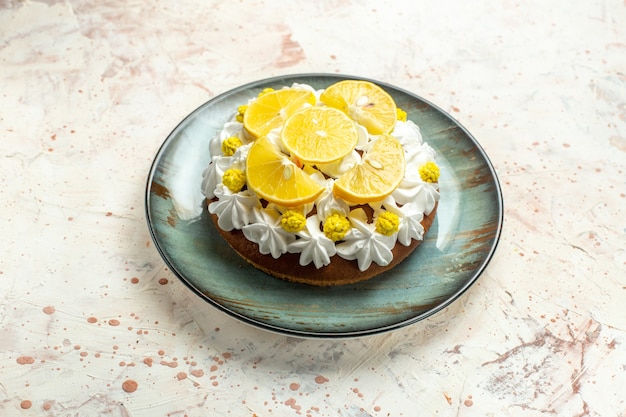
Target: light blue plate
455	252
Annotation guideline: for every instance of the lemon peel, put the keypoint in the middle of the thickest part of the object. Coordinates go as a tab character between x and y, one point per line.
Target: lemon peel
293	221
241	110
230	145
265	91
429	172
234	179
336	226
387	223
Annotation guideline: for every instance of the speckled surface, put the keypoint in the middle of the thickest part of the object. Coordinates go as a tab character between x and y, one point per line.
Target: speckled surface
95	324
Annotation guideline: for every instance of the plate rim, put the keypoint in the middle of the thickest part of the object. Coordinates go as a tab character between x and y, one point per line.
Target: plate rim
498	218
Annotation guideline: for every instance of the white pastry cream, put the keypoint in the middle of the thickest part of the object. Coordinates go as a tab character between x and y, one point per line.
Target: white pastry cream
260	222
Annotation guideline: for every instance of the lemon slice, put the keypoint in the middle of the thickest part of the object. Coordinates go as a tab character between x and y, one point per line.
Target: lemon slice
365	102
270	110
319	135
377	175
277	179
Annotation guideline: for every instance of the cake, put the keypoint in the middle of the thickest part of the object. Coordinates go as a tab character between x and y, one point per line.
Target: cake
322	187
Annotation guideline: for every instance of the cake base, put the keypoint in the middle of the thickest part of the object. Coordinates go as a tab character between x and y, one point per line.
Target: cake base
339	272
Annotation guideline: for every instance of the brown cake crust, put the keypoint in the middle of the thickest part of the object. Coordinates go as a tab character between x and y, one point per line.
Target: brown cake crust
339	272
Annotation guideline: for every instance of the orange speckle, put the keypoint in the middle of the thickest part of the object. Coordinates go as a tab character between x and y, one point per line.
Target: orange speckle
129	385
49	310
25	360
114	322
291	402
172	364
320	379
26	404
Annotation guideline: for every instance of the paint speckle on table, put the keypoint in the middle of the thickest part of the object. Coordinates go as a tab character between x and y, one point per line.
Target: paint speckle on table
169	364
129	386
319	379
26	404
25	360
292	403
357	392
49	310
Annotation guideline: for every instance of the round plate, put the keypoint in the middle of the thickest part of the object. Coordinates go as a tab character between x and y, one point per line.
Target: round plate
453	255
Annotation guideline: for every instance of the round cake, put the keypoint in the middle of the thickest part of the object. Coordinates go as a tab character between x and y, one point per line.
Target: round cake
322	187
339	271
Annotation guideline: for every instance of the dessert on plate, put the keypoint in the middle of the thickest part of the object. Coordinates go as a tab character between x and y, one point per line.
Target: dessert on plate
322	187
